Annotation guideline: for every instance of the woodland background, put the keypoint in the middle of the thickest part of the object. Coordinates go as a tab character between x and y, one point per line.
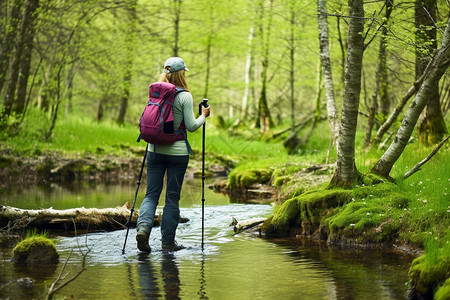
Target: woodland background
97	58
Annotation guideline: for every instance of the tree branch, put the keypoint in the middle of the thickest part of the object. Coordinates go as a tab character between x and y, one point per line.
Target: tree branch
52	289
420	164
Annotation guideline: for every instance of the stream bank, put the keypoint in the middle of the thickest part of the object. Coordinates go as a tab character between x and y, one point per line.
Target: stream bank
375	215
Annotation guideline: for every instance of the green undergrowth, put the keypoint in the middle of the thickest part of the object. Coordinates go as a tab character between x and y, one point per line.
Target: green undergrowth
312	206
375	213
32	240
429	272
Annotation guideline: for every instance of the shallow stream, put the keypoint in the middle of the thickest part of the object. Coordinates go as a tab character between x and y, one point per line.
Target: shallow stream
229	267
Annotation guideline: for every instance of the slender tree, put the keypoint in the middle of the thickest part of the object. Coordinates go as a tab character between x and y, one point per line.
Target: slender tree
381	81
176	26
129	40
247	74
437	67
264	121
30	16
9	39
325	60
431	127
346	172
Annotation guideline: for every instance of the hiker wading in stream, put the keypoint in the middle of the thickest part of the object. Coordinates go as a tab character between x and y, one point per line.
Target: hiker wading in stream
169	159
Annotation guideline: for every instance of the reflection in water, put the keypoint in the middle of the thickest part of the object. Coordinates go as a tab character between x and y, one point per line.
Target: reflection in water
202	292
148	277
230	267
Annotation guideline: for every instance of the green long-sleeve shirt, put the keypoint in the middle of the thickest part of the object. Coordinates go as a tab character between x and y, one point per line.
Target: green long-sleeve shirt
183	108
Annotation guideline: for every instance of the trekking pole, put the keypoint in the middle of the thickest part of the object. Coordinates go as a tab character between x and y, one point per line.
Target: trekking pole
204	103
134	202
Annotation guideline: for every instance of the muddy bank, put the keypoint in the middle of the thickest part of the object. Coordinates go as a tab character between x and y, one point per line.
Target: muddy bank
54	168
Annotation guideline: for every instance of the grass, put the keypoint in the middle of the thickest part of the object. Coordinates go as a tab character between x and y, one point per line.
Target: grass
254	159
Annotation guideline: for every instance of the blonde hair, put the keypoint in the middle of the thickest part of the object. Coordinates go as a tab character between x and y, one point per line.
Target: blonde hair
176	78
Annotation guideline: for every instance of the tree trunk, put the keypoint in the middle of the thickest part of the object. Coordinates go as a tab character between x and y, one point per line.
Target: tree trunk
176	25
431	127
381	82
264	118
208	63
70	76
292	67
30	14
8	41
11	92
123	105
346	172
439	65
397	110
55	110
327	75
248	69
342	47
83	218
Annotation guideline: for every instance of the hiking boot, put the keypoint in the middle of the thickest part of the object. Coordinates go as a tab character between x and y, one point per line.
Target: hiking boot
142	241
172	247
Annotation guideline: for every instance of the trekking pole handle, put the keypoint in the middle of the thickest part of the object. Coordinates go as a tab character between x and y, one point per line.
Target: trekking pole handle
204	103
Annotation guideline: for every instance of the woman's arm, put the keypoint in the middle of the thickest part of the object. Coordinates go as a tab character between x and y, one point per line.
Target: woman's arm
187	103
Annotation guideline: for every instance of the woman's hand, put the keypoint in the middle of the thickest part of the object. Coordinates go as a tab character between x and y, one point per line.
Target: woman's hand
205	111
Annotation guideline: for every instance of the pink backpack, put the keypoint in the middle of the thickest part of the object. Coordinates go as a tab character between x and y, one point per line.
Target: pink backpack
156	123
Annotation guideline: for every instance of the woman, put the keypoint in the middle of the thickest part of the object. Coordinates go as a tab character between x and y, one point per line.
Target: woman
171	159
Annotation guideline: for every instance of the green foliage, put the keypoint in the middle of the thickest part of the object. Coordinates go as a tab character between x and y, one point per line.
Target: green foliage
33	241
244	179
430	271
35	233
310	207
73	135
372	215
443	291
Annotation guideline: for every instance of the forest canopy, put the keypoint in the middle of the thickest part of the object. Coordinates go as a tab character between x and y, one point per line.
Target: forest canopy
257	61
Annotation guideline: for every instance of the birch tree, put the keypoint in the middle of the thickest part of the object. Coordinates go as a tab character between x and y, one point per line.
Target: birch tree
248	68
327	74
346	172
435	70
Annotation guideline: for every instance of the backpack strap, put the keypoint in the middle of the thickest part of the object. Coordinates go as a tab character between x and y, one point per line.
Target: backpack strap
183	130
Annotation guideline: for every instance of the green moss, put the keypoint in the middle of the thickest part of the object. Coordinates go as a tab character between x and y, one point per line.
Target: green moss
373	215
443	292
32	242
311	207
430	271
281	180
245	178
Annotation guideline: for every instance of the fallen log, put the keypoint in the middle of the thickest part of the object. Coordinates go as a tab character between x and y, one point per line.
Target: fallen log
69	219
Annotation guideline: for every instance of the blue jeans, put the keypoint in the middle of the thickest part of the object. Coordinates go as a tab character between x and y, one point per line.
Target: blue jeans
157	166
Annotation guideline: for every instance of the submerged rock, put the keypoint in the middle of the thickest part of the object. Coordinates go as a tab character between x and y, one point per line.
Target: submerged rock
25	282
37	249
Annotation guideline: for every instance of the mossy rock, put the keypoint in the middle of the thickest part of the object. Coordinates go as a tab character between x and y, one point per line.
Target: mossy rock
243	179
308	209
427	275
443	292
373	215
37	249
282	180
